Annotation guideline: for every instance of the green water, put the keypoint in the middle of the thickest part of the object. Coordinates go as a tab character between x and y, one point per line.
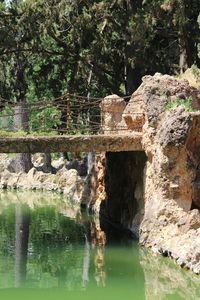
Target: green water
49	250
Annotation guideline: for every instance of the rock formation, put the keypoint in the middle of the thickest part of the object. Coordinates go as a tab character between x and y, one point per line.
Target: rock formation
169	223
171	141
64	181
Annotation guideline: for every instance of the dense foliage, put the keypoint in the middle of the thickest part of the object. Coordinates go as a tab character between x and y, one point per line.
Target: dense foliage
92	48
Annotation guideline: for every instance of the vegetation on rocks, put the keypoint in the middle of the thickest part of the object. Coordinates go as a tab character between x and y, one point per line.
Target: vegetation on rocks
185	103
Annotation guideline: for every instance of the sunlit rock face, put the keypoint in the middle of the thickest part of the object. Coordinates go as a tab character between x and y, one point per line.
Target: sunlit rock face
171	141
65	181
170	222
94	188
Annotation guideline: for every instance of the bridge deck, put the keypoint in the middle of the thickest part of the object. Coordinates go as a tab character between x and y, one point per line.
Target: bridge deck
84	143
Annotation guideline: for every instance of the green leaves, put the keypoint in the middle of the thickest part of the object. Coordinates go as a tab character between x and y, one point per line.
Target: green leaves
185	103
44	120
91	47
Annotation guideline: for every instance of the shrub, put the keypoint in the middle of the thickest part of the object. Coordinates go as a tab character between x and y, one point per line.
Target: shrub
185	103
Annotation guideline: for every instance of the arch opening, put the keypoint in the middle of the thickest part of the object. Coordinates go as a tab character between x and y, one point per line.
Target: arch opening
124	185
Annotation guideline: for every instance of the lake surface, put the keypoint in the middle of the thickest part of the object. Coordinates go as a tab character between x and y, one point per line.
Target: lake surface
49	250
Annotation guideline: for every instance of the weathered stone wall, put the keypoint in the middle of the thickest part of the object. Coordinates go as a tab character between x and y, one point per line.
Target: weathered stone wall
171	140
171	143
94	188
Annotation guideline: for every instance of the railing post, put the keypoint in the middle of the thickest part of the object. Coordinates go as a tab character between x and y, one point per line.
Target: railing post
68	113
112	108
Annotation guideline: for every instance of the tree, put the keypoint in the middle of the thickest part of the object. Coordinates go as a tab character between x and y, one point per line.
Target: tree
91	48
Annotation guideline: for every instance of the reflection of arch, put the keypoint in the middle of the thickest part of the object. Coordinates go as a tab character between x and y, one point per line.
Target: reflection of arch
94	239
99	262
98	240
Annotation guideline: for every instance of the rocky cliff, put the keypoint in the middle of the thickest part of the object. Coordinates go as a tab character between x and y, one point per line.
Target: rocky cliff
165	110
171	140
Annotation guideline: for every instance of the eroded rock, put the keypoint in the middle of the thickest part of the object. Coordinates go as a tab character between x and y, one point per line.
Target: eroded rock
66	181
171	141
169	223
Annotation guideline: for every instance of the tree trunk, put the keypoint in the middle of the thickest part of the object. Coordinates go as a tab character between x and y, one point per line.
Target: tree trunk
23	160
183	38
183	65
132	78
22	221
21	117
132	74
47	167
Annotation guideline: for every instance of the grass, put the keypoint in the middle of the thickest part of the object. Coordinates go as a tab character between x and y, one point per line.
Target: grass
185	103
21	133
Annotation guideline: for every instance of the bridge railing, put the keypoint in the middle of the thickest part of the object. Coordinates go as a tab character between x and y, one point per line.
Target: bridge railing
68	114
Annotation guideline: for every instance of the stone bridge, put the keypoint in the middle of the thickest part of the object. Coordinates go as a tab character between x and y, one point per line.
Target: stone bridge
83	143
148	177
114	135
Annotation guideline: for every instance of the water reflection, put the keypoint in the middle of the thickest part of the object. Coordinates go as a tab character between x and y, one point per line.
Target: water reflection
42	248
99	262
164	280
22	221
86	263
97	239
48	248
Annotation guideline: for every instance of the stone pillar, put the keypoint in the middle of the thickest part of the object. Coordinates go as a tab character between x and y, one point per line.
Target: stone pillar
112	108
